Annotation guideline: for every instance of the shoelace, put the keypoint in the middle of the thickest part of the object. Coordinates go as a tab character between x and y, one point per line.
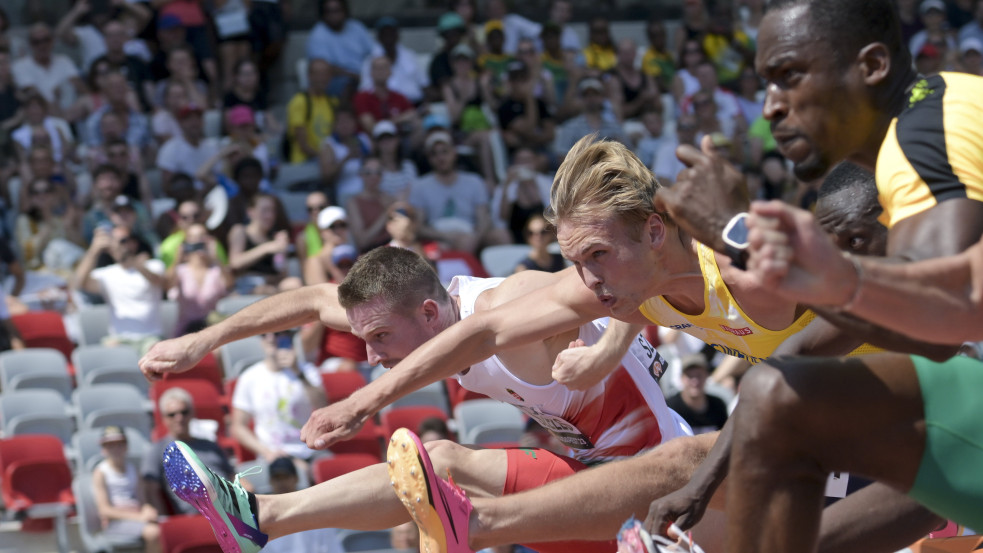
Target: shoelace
236	489
686	540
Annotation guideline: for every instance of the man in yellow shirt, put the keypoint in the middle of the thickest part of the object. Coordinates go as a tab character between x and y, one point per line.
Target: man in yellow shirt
310	114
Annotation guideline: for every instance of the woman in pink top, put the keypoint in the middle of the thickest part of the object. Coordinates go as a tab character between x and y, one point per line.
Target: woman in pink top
198	279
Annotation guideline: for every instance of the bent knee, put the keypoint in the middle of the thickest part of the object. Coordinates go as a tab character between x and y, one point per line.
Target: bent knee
445	454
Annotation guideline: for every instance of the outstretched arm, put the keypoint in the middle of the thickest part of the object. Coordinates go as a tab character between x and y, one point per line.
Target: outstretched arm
279	312
564	305
793	256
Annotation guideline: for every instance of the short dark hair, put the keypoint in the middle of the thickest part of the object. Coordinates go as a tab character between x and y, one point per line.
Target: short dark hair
402	278
850	176
433	424
104	169
244	164
849	25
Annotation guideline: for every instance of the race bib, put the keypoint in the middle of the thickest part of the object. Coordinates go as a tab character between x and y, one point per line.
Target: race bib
564	431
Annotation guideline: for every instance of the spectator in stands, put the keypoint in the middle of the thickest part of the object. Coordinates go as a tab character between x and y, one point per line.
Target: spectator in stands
190	15
119	496
341	156
269	31
40	128
657	61
649	145
132	286
85	29
39	163
107	188
124	214
726	103
525	120
404	227
332	221
539	235
452	204
128	162
368	210
526	192
187	152
493	59
246	90
240	123
561	11
667	165
308	241
515	26
341	41
398	173
974	28
189	213
629	89
710	118
381	103
181	188
136	71
9	95
258	249
561	65
750	106
164	123
183	68
284	479
117	96
46	71
13	44
726	45
971	56
685	83
407	77
599	54
465	94
39	225
594	119
93	98
272	401
451	28
702	411
176	410
936	31
468	10
232	30
432	429
199	279
310	114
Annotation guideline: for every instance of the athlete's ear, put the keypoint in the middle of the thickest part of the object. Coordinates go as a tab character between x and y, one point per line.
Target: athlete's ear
430	311
874	62
655	230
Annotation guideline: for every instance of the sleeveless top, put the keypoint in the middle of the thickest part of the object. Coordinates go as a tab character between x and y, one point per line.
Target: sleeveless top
723	324
121	487
621	416
263	265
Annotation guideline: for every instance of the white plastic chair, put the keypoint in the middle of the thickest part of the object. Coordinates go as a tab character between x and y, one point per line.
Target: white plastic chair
476	412
35	412
500	261
238	355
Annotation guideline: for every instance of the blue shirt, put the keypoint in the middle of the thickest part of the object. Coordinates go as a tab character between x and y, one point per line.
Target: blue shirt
346	49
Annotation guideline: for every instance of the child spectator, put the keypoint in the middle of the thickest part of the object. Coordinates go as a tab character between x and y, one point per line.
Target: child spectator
120	501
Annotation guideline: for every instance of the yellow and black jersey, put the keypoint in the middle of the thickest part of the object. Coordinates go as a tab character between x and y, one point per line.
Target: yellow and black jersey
933	150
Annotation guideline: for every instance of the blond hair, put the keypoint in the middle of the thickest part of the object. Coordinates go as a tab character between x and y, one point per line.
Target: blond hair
602	179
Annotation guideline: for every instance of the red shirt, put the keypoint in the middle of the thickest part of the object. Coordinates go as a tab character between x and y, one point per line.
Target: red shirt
366	101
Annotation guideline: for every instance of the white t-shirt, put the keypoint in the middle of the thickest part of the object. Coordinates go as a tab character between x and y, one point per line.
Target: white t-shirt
134	303
177	155
278	405
120	486
27	72
407	77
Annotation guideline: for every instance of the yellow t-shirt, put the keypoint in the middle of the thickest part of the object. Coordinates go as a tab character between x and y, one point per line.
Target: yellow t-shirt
933	150
602	58
723	324
318	118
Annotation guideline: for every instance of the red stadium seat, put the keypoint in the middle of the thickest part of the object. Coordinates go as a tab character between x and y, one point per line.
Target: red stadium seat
409	417
45	329
339	385
187	534
207	369
327	468
367	441
34	472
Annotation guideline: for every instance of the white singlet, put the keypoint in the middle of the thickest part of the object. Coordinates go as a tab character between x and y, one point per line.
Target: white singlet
621	416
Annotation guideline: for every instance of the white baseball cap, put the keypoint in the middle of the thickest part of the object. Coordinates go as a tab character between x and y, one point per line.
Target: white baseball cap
331	215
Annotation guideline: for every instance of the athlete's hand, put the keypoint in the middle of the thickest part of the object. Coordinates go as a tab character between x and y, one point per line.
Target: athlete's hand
706	195
684	507
334	423
173	356
791	254
580	366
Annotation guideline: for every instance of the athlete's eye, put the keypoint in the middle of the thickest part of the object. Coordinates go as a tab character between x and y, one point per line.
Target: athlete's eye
598	253
857	243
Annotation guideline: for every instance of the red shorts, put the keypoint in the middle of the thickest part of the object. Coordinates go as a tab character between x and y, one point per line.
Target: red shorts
530	468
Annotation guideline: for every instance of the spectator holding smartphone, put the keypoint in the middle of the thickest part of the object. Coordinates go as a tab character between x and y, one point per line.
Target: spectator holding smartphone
198	279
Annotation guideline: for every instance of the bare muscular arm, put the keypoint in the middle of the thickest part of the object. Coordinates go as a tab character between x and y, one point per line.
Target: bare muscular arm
279	312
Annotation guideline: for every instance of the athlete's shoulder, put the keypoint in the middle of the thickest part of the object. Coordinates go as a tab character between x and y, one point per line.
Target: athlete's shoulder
537	286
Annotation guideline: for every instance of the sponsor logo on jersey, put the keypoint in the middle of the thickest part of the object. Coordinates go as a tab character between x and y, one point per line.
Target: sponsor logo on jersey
515	395
746	331
680	327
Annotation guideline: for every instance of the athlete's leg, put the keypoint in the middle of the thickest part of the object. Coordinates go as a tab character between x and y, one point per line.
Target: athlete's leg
590	505
364	499
798	420
873	519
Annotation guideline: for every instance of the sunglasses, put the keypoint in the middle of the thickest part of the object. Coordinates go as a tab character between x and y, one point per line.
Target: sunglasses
315	208
182	412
